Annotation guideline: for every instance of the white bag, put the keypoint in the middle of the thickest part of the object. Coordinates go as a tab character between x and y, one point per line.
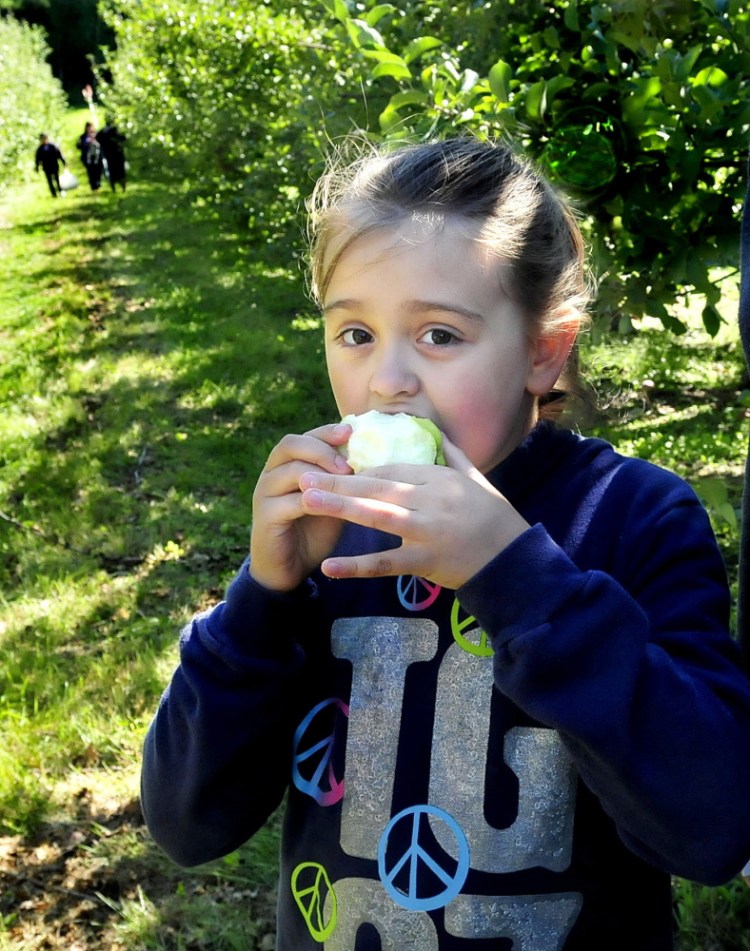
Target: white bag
68	181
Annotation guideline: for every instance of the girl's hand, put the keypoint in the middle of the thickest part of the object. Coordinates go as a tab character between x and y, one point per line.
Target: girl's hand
286	542
452	521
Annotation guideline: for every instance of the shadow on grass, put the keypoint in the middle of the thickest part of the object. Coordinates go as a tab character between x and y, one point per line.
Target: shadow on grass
171	353
176	370
200	369
96	880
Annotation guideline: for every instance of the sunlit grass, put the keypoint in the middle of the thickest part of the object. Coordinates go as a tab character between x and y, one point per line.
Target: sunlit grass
148	363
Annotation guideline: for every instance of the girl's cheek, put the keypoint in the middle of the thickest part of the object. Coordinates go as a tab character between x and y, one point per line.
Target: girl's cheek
469	413
463	429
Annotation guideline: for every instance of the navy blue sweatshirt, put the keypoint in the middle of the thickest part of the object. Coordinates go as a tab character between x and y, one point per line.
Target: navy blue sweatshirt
518	764
743	612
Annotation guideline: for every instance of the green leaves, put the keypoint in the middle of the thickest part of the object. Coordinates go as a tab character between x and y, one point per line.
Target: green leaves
31	99
419	46
500	76
714	493
640	110
541	95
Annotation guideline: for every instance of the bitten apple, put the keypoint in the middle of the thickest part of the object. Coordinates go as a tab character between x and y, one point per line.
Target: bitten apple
381	439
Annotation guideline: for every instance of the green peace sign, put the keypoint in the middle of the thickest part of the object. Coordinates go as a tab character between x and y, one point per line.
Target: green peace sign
310	887
467	633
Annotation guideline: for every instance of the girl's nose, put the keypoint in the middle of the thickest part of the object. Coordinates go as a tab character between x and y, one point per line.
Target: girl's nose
392	374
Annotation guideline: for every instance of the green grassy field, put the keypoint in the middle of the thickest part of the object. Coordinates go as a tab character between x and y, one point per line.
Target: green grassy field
149	359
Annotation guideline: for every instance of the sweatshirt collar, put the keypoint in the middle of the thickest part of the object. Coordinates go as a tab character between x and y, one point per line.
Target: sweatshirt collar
533	461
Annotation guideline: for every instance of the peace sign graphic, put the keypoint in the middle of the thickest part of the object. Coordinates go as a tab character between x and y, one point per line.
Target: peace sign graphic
467	633
317	755
310	887
416	594
430	882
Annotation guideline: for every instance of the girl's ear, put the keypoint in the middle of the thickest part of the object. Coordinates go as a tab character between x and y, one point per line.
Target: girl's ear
548	355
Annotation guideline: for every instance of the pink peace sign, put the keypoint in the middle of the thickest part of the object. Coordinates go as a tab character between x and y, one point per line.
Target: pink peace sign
416	594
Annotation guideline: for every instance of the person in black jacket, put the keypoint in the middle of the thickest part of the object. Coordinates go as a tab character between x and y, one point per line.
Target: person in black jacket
112	142
49	157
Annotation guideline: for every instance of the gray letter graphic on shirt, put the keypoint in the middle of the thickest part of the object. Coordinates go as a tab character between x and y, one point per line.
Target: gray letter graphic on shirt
380	651
542	833
361	900
534	922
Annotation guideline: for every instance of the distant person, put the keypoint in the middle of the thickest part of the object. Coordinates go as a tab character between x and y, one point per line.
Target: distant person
91	155
49	156
112	143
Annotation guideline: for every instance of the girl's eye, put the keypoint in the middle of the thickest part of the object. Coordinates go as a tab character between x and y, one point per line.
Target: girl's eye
355	336
439	337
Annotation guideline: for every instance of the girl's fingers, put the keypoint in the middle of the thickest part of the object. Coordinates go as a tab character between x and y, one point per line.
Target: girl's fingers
451	522
455	457
385	516
459	461
334	433
362	486
379	565
317	448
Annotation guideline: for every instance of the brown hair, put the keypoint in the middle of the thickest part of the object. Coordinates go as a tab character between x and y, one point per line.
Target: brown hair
523	219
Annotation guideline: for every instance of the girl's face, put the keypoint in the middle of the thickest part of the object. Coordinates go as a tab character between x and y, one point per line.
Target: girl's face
416	322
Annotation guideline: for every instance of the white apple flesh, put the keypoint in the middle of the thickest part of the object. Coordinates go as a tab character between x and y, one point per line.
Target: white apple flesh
382	439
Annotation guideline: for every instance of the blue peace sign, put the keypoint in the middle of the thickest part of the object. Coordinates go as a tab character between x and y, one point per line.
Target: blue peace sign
415	856
321	753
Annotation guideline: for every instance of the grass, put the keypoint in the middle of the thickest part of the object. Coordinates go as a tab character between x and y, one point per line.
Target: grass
149	359
683	404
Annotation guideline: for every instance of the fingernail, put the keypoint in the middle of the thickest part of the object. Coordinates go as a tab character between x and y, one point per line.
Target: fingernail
332	569
342	464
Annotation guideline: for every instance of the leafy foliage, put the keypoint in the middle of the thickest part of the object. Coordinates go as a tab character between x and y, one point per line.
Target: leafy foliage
40	106
639	109
234	105
74	31
712	919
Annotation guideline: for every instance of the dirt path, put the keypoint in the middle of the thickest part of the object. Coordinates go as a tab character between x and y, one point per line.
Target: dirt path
81	883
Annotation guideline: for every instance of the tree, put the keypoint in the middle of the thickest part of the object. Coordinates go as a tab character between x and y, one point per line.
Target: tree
639	108
234	105
75	34
31	99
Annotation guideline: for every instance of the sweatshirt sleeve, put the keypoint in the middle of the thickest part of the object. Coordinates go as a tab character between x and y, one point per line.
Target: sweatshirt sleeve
635	668
743	599
216	758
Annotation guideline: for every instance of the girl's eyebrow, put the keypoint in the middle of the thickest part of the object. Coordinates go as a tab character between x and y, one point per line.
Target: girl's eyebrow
413	306
426	306
346	303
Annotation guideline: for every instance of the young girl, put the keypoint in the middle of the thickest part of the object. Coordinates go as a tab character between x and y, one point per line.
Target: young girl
501	694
